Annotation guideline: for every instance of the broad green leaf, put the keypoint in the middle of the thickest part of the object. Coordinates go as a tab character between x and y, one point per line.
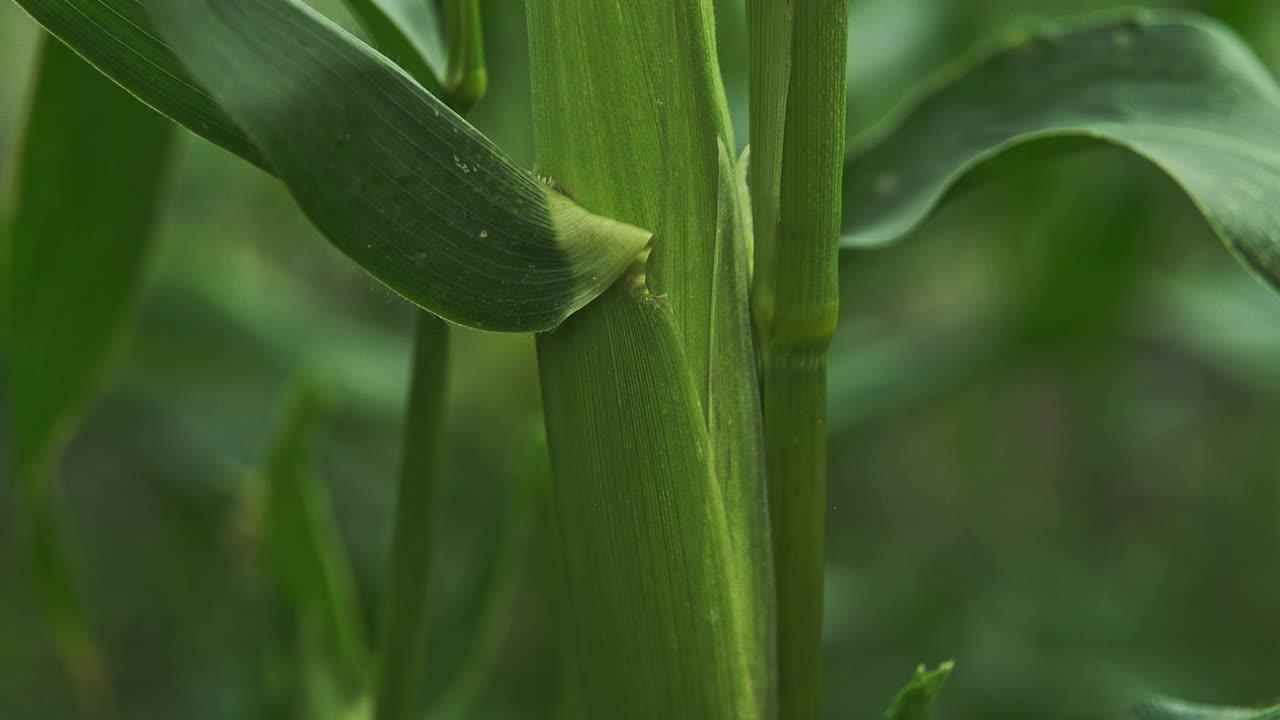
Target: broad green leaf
916	699
408	33
1169	709
117	37
394	177
396	180
1179	90
87	182
303	549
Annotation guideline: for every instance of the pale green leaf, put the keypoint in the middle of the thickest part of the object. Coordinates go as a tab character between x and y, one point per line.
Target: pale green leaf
627	115
659	616
651	121
1177	89
734	414
1170	709
770	25
916	699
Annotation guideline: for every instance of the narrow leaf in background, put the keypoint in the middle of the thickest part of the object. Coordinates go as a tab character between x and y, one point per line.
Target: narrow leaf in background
304	551
916	699
1177	89
403	640
87	186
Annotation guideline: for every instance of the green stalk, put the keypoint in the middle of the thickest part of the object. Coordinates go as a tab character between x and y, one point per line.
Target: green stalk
404	639
798	87
629	119
468	79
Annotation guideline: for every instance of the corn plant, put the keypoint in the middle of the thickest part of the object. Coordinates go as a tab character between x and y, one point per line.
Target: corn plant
683	292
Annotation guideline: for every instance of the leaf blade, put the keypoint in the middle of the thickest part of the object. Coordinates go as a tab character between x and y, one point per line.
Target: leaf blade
514	255
81	232
1179	90
117	37
304	551
77	242
392	176
916	699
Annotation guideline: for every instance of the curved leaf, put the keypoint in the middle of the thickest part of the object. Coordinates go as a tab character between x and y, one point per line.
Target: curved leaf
117	37
916	699
88	184
391	175
1177	89
396	180
88	180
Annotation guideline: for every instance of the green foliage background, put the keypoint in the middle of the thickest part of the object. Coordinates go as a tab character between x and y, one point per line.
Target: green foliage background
1053	431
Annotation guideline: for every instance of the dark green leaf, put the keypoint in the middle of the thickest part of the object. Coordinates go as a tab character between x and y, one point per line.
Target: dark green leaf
404	186
1177	89
117	37
88	181
391	175
916	699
